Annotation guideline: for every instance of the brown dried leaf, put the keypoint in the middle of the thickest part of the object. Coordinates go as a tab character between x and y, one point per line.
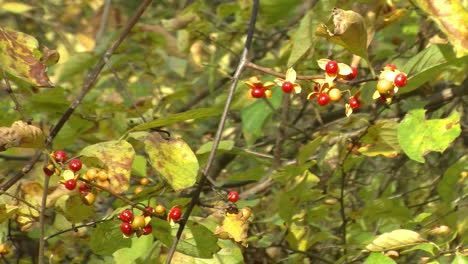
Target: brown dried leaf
21	134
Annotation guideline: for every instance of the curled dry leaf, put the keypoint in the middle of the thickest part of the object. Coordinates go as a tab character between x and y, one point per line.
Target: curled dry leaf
21	134
235	226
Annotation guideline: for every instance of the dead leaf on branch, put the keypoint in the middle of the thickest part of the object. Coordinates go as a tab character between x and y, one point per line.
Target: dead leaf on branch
235	226
22	135
21	58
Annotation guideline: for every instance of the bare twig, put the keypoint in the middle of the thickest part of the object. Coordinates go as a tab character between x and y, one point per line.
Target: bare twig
40	255
203	179
74	228
21	200
104	18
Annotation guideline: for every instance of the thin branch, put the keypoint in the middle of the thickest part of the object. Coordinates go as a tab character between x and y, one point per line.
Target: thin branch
104	18
18	106
40	254
75	228
89	83
239	70
21	200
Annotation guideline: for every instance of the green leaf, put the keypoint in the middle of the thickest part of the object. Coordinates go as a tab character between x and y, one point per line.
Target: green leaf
118	157
425	65
197	241
106	238
448	184
199	113
177	65
223	145
381	139
171	158
418	136
140	245
350	32
75	210
20	58
304	38
396	239
378	258
76	65
427	247
255	115
460	259
306	151
139	166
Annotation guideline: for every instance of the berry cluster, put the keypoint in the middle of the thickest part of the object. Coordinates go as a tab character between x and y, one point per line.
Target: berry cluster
139	224
390	80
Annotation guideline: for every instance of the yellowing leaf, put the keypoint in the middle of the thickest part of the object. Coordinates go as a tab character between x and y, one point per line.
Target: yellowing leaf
15	7
20	58
396	239
172	158
418	136
20	134
118	157
452	18
381	139
235	227
6	211
350	31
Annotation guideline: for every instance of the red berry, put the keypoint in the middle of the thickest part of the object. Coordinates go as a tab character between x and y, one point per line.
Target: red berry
287	87
75	165
331	67
352	75
147	230
70	184
390	66
148	208
60	156
126	228
316	87
400	80
126	216
175	213
233	196
257	92
354	103
83	188
323	99
48	171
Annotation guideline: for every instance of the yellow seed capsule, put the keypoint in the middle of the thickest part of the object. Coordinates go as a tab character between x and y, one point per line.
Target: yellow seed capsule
144	181
4	249
88	198
138	221
246	212
159	209
384	86
268	93
335	94
90	174
102	175
138	190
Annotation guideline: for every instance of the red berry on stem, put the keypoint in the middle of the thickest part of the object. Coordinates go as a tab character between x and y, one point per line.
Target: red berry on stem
70	184
175	213
126	228
352	75
126	216
83	188
47	171
60	156
148	208
257	92
354	103
331	67
233	196
75	165
323	99
147	230
287	87
400	80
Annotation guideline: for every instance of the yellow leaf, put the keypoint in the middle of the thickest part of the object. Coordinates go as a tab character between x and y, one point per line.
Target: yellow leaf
396	239
16	7
235	226
20	134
